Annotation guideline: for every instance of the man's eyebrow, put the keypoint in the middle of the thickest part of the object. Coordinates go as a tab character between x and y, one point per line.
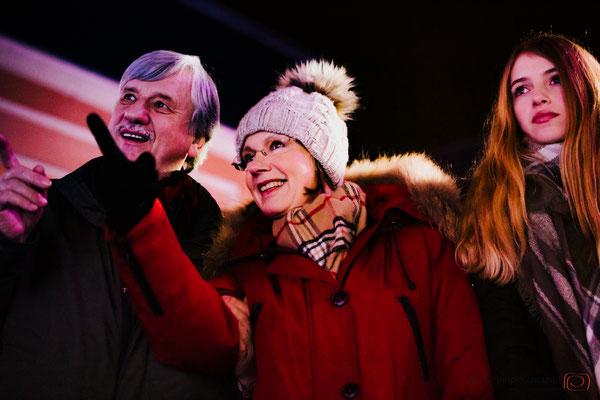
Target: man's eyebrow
130	89
162	96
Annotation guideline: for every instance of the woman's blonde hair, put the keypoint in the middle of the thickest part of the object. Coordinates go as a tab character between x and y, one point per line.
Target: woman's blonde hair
493	231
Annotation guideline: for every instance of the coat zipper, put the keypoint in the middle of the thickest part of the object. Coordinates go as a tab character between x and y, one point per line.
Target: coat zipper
256	307
411	314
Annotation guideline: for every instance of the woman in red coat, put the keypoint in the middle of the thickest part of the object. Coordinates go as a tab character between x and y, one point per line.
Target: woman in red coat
352	290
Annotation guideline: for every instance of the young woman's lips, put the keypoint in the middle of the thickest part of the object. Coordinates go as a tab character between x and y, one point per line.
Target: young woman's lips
543	117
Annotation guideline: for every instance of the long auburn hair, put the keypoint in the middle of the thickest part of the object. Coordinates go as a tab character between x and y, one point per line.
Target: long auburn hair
493	231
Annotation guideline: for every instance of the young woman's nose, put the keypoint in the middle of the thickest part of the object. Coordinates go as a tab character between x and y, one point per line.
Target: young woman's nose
540	96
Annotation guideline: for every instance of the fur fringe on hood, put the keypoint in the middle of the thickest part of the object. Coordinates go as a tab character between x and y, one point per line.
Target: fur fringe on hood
433	191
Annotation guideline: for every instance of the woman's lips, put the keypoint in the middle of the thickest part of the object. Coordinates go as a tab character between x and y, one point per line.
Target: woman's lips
543	117
270	185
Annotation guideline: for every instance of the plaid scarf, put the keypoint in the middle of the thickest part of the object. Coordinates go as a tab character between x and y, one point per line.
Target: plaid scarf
559	278
324	229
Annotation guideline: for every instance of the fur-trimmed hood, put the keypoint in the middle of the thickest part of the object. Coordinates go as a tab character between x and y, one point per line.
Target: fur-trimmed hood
433	192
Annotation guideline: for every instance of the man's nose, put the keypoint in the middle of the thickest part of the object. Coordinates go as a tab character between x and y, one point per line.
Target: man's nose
137	113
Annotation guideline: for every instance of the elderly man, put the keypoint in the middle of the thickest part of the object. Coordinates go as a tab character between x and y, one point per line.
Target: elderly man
67	330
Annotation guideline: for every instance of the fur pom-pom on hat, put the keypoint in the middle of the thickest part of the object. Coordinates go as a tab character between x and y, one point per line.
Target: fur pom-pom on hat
325	78
311	103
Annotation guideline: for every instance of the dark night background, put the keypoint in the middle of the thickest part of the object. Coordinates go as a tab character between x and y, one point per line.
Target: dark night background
426	72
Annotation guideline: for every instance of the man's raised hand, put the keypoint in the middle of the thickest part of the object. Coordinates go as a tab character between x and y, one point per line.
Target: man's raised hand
23	195
126	189
104	139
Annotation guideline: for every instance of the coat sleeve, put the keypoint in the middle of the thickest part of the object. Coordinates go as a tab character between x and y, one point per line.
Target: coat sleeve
195	217
13	259
460	354
186	322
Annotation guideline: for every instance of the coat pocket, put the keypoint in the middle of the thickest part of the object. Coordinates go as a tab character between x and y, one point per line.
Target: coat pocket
411	314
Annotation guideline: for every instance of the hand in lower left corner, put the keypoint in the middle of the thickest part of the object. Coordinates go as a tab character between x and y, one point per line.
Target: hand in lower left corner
245	369
23	195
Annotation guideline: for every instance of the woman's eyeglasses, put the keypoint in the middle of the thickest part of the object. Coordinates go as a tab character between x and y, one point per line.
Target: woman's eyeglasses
275	146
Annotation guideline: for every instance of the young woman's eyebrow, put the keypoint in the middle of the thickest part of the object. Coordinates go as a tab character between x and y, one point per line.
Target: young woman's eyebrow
551	70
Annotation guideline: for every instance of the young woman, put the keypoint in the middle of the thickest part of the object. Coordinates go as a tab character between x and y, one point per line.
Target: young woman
531	225
352	290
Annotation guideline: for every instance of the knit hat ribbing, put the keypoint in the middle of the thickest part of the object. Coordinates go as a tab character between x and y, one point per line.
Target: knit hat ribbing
311	104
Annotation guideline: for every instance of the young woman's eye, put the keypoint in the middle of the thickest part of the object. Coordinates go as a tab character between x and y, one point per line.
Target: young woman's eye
555	80
519	90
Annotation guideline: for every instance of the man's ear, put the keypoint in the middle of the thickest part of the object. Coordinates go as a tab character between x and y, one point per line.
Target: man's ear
195	147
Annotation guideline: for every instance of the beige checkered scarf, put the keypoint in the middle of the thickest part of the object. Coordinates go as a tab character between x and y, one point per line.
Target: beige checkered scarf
324	229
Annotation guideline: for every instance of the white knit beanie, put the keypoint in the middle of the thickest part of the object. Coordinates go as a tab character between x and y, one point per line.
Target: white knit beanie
311	104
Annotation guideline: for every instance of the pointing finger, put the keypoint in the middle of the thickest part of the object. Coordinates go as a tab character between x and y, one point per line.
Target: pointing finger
107	145
7	156
23	191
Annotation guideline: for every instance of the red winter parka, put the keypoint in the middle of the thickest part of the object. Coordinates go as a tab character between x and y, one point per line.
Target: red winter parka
400	321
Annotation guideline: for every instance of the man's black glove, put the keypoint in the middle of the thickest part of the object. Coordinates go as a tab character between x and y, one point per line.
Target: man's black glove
126	189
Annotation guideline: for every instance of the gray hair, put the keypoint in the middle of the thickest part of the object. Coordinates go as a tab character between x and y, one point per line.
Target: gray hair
160	64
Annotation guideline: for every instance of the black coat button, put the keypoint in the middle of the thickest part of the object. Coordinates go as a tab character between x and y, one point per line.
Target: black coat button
339	299
350	390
